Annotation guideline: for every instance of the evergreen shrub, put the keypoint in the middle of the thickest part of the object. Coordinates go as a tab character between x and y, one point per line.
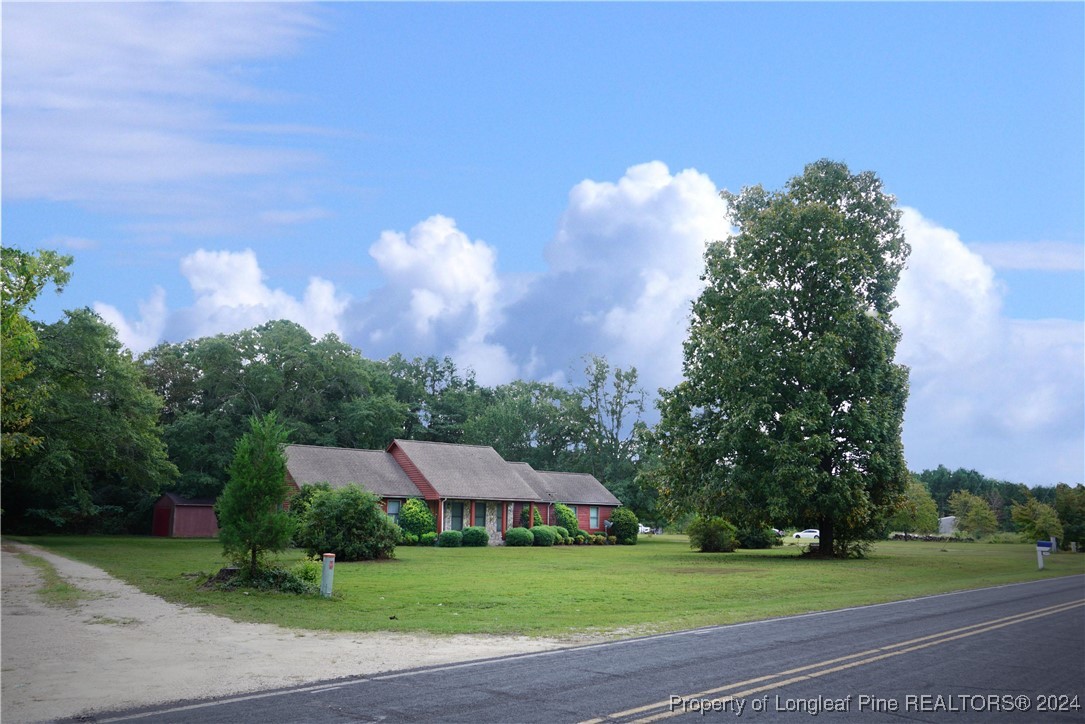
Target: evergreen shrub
712	535
519	537
476	536
450	539
624	525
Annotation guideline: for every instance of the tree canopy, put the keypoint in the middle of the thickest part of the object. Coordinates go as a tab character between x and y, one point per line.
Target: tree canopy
101	447
23	276
792	404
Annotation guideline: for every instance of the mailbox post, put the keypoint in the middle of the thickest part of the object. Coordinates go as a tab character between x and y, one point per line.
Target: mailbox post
328	575
1043	548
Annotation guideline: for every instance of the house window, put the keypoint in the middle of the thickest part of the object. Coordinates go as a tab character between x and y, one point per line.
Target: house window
480	515
593	513
455	511
392	507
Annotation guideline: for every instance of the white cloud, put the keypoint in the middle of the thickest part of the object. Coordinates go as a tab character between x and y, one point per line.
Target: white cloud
230	295
1055	256
444	270
949	299
442	296
122	105
145	333
624	266
998	395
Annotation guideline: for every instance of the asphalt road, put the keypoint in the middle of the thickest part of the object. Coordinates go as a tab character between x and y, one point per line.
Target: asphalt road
1013	653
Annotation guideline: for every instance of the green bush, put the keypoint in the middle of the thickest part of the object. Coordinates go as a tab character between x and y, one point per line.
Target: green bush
580	537
566	517
562	531
348	522
428	539
299	502
612	540
712	535
526	513
299	579
450	539
757	537
519	537
543	535
624	526
415	517
408	539
476	536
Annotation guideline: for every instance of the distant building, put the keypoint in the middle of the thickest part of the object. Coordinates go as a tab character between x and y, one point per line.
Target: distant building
177	517
947	525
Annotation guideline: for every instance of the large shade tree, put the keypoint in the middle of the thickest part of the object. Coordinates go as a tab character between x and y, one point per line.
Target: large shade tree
792	404
23	276
101	461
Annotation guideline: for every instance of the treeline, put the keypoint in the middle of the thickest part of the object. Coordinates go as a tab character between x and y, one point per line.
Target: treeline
327	393
1000	495
92	435
102	434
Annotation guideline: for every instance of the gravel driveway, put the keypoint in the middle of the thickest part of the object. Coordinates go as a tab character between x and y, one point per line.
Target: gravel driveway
123	648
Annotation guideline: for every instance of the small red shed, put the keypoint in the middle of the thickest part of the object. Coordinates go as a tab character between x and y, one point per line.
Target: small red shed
177	517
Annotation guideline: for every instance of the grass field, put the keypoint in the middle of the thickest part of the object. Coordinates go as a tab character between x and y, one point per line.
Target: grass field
658	585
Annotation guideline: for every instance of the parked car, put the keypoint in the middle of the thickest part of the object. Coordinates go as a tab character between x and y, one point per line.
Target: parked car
809	533
778	533
644	529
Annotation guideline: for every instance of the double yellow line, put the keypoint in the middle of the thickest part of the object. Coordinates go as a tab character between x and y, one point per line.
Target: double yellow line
664	709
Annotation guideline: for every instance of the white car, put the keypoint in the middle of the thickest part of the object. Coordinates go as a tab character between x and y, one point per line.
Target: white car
644	529
809	533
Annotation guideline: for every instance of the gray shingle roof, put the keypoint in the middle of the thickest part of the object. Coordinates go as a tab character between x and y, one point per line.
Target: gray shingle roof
373	470
574	489
470	472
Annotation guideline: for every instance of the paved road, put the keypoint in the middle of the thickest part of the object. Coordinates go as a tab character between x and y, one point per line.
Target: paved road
1013	653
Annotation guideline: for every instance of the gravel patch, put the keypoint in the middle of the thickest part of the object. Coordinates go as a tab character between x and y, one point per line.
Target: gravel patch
123	648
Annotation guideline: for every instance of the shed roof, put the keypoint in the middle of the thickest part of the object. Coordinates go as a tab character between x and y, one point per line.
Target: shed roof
374	470
471	472
178	500
574	489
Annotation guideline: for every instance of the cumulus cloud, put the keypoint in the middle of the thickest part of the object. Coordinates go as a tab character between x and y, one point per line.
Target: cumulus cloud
623	268
999	395
141	334
230	295
442	296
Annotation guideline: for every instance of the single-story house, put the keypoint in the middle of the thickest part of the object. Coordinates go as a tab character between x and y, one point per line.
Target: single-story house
177	517
463	485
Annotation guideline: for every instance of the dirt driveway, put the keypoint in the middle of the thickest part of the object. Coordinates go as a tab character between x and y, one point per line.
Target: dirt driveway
122	648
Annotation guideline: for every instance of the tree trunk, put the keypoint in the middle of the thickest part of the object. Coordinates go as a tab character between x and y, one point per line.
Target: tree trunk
826	542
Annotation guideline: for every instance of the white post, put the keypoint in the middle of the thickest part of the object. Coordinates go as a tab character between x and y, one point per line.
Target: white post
328	575
1054	545
1040	558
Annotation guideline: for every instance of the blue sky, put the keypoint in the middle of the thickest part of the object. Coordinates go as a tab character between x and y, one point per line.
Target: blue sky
518	185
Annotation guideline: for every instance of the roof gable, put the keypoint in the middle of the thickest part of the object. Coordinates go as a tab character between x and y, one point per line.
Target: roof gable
373	470
471	472
575	489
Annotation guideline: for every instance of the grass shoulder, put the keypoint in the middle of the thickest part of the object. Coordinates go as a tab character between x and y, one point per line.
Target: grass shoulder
657	585
54	590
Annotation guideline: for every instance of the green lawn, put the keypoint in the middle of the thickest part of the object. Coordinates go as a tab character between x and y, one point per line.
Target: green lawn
658	585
